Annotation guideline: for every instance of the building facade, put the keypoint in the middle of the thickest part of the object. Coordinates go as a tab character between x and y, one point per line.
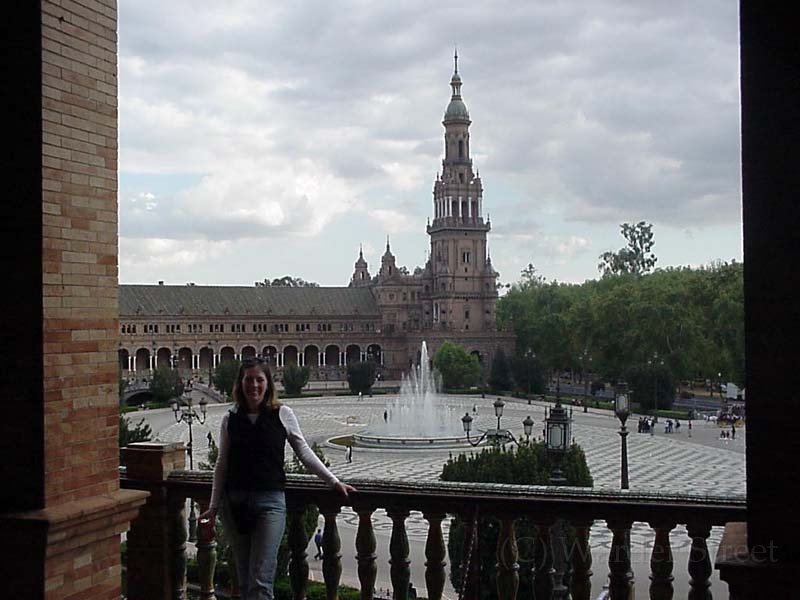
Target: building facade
383	318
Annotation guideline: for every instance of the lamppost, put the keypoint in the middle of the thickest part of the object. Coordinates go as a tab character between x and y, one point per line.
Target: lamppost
652	362
622	409
497	436
531	356
585	356
210	363
185	412
558	433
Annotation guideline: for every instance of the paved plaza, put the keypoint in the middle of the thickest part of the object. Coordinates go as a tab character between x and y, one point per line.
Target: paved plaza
700	465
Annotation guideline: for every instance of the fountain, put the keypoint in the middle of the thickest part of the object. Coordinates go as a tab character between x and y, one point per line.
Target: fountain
418	417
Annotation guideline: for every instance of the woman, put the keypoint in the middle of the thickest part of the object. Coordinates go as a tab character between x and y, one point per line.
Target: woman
249	477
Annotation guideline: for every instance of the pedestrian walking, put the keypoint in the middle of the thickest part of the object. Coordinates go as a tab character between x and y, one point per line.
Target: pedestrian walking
385	416
318	543
733	431
690	428
349	453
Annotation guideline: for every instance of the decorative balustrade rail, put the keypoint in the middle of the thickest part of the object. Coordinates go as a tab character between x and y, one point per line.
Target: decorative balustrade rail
157	540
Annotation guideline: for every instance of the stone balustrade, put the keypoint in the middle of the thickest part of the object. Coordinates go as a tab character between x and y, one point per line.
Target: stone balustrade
564	572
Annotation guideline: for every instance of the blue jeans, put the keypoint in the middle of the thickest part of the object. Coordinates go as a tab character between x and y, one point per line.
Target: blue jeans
256	552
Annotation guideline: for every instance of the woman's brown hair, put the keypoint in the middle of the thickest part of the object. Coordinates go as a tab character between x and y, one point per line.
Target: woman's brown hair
270	396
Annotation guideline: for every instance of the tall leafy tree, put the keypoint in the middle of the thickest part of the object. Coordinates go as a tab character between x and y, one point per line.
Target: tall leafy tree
500	375
457	367
165	385
361	376
691	318
635	258
224	376
295	378
286	281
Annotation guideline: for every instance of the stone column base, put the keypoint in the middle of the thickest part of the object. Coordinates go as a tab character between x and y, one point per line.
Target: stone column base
71	550
753	573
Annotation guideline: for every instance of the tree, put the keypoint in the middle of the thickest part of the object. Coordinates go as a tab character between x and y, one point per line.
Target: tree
286	281
141	432
165	385
635	258
530	276
651	383
500	375
295	378
361	376
458	368
224	376
528	465
693	318
528	374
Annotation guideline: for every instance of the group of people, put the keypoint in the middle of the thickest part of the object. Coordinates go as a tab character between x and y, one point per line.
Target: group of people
728	435
647	425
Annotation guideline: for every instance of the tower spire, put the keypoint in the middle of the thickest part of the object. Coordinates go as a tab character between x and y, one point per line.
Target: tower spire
455	59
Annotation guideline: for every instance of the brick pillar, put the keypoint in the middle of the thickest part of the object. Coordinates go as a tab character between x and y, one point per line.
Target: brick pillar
61	509
158	532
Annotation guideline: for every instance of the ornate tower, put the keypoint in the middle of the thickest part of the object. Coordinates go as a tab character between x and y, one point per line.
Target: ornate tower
360	272
463	293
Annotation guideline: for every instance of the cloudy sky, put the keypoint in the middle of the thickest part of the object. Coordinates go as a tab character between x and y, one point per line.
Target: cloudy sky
260	139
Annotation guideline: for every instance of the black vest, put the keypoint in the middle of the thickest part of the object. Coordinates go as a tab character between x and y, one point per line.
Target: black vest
256	451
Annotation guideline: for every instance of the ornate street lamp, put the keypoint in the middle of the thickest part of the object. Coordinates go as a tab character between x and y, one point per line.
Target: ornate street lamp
654	363
622	409
497	436
558	433
185	412
527	427
210	363
531	356
584	358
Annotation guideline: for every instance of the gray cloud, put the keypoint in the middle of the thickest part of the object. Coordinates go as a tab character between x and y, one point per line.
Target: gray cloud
587	112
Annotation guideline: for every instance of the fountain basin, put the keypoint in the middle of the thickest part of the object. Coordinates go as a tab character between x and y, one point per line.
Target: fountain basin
372	440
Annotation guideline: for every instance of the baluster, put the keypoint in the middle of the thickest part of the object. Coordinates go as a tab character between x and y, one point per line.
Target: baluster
699	561
435	554
619	560
206	555
581	559
365	552
507	556
400	571
297	539
558	542
470	559
331	552
177	517
661	562
543	576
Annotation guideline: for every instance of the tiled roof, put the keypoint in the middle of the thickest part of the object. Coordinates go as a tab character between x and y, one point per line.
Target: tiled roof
196	300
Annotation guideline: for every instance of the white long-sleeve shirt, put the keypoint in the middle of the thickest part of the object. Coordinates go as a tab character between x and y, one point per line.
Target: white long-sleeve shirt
293	435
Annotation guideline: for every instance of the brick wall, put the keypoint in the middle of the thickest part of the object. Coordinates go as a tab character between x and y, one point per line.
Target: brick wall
79	225
61	509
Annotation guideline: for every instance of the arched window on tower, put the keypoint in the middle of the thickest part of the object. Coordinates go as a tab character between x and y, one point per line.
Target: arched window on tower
460	148
461	178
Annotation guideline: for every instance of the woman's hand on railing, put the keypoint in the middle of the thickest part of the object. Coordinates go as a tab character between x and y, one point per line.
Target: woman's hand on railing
344	489
209	515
